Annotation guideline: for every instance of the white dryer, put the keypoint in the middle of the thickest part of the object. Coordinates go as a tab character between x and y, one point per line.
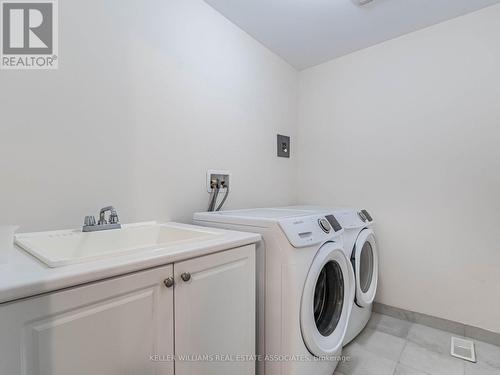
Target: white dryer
305	287
361	247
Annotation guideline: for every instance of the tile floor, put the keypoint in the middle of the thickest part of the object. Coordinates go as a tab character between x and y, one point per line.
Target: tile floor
389	346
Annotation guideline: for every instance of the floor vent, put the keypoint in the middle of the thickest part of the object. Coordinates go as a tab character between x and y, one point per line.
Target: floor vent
463	349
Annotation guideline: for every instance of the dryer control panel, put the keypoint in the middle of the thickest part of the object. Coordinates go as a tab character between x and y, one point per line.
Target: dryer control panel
353	218
310	230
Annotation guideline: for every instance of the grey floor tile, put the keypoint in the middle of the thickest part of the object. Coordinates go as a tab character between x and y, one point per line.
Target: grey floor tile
421	350
363	362
405	370
381	344
430	338
488	355
480	369
430	362
390	325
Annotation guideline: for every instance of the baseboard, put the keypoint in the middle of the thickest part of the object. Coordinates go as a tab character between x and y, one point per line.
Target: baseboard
439	323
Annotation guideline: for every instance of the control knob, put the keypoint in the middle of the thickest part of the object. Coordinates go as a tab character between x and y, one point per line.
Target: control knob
324	225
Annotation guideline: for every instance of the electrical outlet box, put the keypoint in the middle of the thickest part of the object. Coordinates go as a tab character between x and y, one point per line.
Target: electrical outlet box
221	175
283	146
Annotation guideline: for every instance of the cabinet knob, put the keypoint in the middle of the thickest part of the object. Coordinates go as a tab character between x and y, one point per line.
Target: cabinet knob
186	276
169	282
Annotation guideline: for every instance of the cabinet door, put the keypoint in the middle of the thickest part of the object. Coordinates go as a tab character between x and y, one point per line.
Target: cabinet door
215	314
113	327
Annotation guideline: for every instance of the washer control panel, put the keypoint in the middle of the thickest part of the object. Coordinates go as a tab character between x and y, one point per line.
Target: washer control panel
310	230
325	225
334	223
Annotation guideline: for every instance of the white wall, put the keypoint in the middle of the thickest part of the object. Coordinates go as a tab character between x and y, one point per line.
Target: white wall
411	129
149	95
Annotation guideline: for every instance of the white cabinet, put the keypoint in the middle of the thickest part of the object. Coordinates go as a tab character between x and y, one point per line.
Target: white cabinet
117	326
110	327
215	314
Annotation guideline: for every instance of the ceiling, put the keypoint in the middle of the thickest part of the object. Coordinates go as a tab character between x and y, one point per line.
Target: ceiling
308	32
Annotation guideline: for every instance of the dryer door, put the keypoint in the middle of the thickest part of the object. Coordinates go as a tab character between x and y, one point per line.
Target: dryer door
327	301
365	263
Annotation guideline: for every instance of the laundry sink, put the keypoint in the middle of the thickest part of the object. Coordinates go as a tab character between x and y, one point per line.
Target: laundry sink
62	248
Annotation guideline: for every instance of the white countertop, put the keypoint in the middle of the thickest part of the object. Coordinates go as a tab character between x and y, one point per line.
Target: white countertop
22	275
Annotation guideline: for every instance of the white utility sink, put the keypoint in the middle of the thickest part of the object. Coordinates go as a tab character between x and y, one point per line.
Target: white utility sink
62	248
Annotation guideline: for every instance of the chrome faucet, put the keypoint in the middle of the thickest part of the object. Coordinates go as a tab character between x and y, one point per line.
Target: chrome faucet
113	222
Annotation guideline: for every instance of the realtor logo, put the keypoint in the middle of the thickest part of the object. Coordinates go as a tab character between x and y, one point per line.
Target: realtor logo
29	34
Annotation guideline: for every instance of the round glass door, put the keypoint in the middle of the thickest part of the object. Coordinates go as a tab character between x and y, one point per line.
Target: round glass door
366	267
327	301
329	298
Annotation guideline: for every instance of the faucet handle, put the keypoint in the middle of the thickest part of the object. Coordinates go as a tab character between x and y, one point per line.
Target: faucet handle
113	217
102	215
89	221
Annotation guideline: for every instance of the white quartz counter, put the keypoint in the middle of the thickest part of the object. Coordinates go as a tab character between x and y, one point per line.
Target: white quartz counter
22	275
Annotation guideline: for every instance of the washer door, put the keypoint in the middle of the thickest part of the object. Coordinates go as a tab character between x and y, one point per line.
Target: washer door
365	262
327	301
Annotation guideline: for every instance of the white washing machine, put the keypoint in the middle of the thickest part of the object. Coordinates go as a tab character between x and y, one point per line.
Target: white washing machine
361	248
305	287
